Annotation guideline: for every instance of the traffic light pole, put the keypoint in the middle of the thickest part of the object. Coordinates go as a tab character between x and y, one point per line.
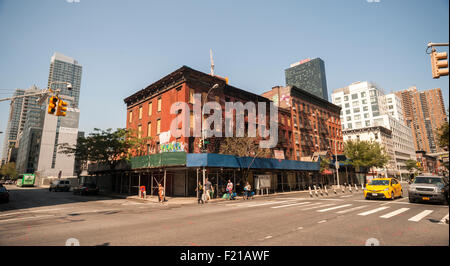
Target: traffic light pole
43	92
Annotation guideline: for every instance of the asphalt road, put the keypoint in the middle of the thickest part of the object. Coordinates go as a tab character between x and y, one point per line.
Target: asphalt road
36	216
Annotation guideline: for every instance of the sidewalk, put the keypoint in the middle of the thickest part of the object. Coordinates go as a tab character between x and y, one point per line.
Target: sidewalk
193	200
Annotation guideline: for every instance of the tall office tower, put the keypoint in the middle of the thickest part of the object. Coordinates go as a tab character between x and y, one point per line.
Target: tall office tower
60	129
12	128
368	114
308	75
424	113
19	111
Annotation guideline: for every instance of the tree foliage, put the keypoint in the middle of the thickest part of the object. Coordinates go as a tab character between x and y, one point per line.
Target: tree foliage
243	147
443	136
365	154
411	165
107	146
9	170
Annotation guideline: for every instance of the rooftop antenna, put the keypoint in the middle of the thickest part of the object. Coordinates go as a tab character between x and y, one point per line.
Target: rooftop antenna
212	62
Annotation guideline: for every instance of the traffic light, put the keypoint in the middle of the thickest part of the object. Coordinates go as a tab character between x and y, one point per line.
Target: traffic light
200	143
418	164
61	108
52	105
439	64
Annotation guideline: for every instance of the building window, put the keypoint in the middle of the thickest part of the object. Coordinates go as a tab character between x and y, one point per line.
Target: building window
355	103
356	110
349	118
337	100
159	104
149	129
158	126
140	112
150	109
347	105
366	115
363	94
139	131
131	117
357	117
364	101
354	96
345	98
365	108
349	125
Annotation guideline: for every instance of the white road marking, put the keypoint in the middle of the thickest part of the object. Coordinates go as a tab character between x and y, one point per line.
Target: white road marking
292	198
333	208
372	211
346	196
267	237
352	209
443	219
33	211
323	221
320	206
268	203
391	214
332	199
299	228
419	216
289	205
25	218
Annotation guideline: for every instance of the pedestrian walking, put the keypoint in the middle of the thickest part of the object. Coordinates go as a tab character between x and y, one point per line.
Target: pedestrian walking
230	189
208	187
161	193
199	189
247	190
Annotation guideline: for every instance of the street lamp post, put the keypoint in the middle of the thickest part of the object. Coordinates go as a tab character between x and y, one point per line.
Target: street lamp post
215	86
336	163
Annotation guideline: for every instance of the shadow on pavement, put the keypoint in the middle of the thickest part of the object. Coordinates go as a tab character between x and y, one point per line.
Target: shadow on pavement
32	197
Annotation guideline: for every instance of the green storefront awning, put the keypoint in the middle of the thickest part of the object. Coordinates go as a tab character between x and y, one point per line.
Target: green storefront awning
158	160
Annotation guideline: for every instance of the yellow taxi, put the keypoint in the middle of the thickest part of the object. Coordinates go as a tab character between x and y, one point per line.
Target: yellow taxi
383	188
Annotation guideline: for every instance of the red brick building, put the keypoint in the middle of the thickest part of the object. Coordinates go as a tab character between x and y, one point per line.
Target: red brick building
148	110
313	123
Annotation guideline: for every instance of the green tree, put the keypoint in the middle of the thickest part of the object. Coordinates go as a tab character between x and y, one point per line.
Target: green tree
107	147
411	165
367	154
9	170
443	136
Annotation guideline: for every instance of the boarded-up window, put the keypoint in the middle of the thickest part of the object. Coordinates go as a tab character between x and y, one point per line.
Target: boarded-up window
149	129
131	117
150	111
159	104
139	131
140	112
158	126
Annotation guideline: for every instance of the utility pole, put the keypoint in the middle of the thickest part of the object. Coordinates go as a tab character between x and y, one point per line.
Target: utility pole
336	163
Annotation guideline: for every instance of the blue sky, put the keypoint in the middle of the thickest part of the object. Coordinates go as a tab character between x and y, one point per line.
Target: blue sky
124	46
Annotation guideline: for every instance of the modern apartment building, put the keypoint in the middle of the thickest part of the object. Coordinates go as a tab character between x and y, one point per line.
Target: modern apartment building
62	129
19	111
368	114
308	75
424	112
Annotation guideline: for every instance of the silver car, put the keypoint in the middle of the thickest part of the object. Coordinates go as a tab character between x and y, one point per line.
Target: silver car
428	188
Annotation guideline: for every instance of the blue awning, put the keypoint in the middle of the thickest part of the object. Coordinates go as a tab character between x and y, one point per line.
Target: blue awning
230	161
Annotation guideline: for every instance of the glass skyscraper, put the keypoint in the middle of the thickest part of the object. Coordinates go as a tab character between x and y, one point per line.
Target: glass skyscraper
308	75
61	129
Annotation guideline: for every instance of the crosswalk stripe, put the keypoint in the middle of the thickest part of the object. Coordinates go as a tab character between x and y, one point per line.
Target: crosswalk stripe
268	203
333	208
391	214
352	209
419	216
443	219
284	206
372	211
315	207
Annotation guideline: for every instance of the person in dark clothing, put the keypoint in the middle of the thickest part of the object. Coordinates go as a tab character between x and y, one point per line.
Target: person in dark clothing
199	189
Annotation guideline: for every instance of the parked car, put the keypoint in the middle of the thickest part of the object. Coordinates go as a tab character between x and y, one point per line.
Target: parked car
4	194
86	189
60	185
429	188
383	188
